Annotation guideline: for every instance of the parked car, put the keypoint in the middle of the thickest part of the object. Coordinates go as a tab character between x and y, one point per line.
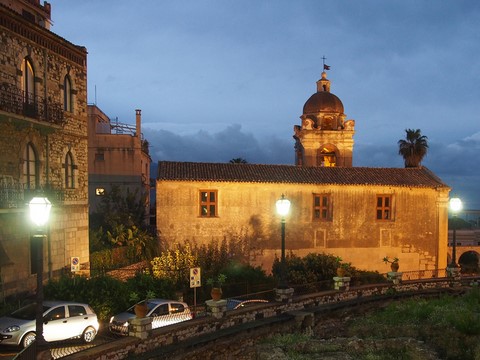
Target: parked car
164	312
62	320
234	304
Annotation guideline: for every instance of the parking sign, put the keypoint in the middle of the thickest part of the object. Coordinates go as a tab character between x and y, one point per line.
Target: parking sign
195	280
75	264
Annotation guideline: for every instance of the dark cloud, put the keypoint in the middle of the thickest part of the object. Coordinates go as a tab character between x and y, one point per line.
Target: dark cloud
456	164
222	146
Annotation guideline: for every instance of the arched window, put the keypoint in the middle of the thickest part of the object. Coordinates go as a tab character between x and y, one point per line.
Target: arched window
327	157
28	86
69	171
30	167
67	94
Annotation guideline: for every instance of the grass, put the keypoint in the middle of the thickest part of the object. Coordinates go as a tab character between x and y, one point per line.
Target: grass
407	329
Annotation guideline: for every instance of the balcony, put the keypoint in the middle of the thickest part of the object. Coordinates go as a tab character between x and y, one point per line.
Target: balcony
13	100
14	196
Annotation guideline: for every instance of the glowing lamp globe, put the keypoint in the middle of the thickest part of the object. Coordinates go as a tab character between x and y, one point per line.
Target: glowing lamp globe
283	206
455	205
39	210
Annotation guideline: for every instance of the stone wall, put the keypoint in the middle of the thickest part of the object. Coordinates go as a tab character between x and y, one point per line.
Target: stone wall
200	337
53	132
246	212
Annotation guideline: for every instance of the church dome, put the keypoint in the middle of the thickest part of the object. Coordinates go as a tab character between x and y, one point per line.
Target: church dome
323	101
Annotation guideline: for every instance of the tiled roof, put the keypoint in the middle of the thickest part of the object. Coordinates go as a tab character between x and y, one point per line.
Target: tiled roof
228	172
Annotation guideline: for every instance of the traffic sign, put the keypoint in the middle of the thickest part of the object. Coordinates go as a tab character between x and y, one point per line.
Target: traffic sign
195	279
75	264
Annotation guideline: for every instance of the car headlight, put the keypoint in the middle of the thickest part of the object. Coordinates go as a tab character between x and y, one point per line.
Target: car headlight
125	323
111	319
12	328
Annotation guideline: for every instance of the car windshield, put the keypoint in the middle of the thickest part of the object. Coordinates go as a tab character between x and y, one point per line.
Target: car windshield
150	306
27	312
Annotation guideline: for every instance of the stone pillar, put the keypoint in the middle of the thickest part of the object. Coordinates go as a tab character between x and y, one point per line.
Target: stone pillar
140	327
284	295
454	275
395	277
217	308
341	282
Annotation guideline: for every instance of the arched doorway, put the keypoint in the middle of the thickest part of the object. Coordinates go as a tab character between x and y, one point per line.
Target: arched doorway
468	261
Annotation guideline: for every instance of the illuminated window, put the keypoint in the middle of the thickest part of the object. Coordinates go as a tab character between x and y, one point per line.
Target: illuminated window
99	191
30	167
384	207
327	157
69	171
208	203
321	207
67	94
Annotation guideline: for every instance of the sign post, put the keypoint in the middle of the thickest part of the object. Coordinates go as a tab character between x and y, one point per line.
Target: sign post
195	281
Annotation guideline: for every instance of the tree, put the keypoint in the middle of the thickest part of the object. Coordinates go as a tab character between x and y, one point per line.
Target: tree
238	161
414	148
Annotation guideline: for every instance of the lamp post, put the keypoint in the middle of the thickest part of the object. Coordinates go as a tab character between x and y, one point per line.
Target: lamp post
283	207
455	207
39	208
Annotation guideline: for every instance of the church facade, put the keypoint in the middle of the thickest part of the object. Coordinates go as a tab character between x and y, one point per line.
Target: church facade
359	214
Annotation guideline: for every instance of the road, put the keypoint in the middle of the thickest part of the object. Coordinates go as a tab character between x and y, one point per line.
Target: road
61	349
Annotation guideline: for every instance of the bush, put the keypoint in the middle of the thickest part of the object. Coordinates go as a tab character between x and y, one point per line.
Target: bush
143	283
104	294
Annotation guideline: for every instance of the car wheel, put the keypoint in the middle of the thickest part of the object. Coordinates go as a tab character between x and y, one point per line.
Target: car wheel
28	338
89	334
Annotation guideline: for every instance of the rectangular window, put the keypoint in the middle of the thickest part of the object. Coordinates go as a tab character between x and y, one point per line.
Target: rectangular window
100	191
99	157
322	207
208	203
384	207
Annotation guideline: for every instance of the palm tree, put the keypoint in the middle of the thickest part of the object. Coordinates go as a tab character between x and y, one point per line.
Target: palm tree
238	161
414	148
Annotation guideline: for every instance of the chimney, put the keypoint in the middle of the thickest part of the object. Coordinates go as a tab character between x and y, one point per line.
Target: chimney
139	123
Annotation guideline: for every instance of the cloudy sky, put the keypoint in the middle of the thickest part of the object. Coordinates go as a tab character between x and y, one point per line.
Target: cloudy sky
220	79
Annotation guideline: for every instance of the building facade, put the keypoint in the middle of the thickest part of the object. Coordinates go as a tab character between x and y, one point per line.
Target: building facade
118	156
43	131
359	214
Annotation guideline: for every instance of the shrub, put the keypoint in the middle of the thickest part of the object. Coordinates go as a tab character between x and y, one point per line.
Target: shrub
105	294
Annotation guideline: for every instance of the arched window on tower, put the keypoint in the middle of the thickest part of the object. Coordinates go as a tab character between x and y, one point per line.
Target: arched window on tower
28	87
327	157
69	171
67	94
30	167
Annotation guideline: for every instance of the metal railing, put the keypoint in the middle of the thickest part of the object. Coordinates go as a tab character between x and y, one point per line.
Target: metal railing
13	195
14	100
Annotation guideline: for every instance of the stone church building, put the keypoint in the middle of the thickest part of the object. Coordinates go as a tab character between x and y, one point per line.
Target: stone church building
360	214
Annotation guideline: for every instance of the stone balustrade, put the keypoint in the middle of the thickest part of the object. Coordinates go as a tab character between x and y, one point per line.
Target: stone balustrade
264	318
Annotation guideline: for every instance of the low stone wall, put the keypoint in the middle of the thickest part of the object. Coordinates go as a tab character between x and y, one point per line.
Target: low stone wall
196	336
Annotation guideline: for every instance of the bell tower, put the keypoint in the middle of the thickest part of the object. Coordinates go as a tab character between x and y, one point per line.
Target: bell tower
325	137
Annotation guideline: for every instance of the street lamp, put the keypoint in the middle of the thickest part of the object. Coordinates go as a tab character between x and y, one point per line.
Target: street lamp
283	207
39	208
455	207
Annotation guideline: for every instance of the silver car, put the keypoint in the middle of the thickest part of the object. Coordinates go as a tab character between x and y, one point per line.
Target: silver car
163	312
62	320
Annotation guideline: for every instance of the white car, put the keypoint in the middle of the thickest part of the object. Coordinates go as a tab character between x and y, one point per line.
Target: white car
62	320
163	312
